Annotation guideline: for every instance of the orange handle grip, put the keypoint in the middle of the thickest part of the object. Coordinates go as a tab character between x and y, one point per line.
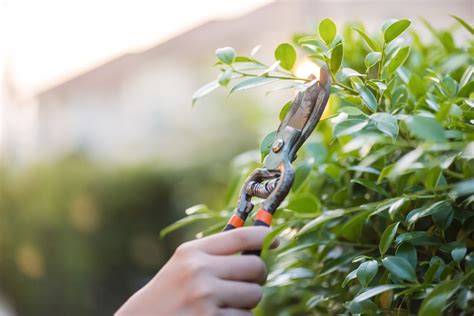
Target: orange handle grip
262	218
234	222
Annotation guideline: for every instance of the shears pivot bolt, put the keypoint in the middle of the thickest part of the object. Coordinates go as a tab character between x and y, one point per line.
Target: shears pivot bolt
277	145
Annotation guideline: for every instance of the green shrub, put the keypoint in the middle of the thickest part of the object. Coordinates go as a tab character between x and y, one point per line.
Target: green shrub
381	216
78	237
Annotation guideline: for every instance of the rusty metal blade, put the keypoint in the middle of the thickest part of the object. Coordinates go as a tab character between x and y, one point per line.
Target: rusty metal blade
305	107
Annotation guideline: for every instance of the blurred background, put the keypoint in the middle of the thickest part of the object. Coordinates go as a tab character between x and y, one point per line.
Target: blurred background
100	147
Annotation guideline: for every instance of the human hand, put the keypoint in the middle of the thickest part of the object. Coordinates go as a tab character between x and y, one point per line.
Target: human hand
203	277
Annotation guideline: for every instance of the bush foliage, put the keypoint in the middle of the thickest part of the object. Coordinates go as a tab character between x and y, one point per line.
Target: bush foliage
380	218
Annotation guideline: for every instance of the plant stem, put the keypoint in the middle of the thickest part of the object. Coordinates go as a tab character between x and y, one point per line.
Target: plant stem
270	76
382	57
345	87
454	174
345	243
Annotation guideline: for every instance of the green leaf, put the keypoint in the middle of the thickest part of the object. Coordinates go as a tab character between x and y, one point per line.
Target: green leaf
365	169
285	110
387	23
286	54
400	268
392	48
386	171
406	162
226	55
317	151
467	75
449	86
327	31
266	144
426	128
366	307
384	205
395	30
399	96
466	25
417	238
252	83
305	204
206	89
318	221
396	207
337	54
385	123
335	264
273	235
444	217
371	185
417	85
458	253
255	50
243	59
372	58
349	127
439	207
398	59
350	110
466	90
463	188
225	77
183	222
301	174
376	290
408	252
387	237
367	271
437	300
353	227
197	209
360	258
380	87
348	72
372	44
435	263
268	70
367	96
434	208
349	277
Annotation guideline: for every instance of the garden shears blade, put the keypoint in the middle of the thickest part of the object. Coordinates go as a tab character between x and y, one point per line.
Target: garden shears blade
273	182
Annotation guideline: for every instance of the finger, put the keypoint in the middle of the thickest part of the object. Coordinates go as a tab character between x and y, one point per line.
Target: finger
239	268
238	294
234	312
233	241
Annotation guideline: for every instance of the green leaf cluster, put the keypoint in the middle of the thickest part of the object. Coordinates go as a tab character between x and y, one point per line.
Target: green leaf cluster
381	218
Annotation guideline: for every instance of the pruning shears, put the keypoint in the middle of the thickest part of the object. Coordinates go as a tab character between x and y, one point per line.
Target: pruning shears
273	182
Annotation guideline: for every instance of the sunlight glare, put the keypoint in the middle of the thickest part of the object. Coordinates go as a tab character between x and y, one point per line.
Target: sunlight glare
305	68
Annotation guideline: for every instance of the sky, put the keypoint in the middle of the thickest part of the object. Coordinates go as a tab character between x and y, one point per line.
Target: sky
49	41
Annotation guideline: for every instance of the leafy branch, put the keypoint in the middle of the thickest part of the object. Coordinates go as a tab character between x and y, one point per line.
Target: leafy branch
390	171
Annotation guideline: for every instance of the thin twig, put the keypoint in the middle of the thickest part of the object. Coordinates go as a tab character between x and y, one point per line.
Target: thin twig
271	76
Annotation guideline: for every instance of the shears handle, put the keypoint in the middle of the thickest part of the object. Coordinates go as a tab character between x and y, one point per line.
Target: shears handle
262	218
234	222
